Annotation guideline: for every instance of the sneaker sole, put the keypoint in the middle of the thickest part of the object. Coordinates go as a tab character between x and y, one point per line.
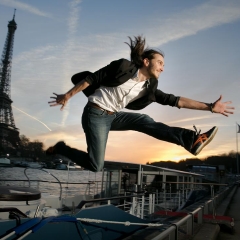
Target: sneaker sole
207	141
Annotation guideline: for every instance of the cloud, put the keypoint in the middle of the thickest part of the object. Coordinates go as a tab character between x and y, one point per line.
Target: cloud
190	119
74	16
24	7
191	21
70	45
32	117
53	63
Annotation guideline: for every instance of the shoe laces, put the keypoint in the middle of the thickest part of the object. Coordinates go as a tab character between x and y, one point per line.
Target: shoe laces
197	132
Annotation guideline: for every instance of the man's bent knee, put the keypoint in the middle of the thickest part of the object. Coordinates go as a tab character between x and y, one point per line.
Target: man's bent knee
146	119
96	167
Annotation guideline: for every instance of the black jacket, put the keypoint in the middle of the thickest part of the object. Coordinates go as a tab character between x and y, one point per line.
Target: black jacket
117	73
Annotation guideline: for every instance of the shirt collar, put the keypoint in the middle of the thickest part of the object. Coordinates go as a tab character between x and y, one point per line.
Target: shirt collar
135	77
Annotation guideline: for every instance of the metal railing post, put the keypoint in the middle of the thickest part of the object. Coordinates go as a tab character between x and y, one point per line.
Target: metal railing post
138	207
153	207
150	204
190	224
142	207
133	205
179	198
170	191
210	206
200	216
157	196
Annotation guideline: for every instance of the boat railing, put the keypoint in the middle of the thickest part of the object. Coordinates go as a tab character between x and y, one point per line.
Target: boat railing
109	200
172	195
149	202
188	221
171	200
25	173
136	204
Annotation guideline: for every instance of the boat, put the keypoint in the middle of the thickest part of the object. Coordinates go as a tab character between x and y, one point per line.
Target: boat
70	167
5	162
25	164
125	200
60	164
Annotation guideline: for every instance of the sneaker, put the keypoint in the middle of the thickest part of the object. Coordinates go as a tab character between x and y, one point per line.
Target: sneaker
55	149
201	140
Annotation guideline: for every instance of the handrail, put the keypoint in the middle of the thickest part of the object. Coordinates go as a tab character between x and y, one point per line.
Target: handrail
93	182
171	231
60	197
37	180
196	183
13	209
83	202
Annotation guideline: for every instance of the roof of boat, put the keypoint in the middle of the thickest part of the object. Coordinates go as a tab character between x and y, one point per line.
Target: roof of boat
4	160
112	165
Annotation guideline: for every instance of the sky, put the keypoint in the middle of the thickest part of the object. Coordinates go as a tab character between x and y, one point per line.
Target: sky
56	39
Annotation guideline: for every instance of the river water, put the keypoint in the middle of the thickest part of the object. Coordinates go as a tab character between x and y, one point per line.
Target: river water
15	176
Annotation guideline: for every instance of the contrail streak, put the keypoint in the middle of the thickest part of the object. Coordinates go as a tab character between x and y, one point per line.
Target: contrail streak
33	118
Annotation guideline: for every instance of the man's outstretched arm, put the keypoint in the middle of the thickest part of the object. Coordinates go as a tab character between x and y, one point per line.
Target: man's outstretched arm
62	99
218	106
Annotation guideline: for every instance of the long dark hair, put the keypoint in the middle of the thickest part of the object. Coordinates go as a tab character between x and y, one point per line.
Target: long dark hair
139	52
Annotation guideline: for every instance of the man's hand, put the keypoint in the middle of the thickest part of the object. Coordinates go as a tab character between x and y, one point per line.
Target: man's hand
60	99
222	107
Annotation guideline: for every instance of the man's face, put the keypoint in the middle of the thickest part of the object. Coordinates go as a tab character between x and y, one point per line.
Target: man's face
154	66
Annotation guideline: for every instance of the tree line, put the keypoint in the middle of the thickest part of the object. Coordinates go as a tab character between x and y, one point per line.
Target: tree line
25	149
228	160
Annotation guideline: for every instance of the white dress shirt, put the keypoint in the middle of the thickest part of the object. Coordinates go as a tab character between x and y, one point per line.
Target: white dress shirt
116	98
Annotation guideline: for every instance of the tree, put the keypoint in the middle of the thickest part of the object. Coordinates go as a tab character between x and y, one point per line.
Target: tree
31	149
24	141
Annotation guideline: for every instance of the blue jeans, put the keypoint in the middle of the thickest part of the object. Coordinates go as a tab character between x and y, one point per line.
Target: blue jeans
97	123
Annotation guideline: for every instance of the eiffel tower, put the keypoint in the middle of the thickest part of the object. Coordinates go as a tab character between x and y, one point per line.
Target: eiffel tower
9	134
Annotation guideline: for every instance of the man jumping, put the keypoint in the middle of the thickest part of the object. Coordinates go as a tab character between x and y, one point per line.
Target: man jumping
132	85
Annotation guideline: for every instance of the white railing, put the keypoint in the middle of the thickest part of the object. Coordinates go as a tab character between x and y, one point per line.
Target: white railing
140	206
172	200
